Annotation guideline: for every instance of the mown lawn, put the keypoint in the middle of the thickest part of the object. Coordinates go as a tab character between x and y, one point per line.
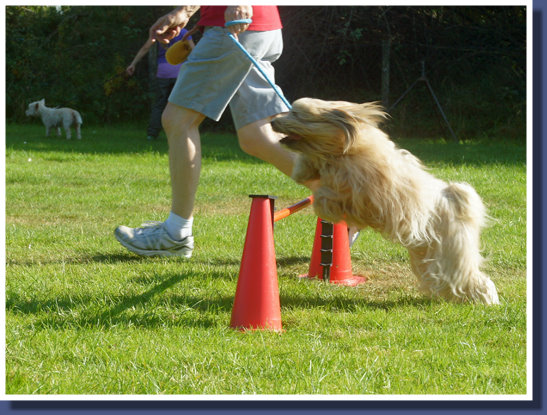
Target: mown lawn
84	316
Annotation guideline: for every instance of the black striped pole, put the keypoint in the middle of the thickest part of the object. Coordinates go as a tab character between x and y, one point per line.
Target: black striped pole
327	230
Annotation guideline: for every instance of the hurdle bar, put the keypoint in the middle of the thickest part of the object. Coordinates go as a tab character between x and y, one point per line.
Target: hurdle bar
326	234
283	213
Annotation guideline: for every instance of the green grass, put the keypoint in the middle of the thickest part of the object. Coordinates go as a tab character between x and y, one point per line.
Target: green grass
84	316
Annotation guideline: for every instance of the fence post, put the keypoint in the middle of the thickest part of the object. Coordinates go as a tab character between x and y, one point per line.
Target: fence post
386	51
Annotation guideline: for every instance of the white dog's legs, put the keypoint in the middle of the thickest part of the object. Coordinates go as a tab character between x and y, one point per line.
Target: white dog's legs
67	130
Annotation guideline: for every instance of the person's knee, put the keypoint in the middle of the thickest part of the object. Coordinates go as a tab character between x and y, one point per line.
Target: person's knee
178	119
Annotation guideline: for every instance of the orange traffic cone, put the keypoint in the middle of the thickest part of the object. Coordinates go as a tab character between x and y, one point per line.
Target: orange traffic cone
256	302
340	270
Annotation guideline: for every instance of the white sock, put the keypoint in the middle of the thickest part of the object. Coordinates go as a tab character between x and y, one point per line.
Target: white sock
177	227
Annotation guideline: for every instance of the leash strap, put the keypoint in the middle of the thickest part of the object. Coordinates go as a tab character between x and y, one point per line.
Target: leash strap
241	21
253	60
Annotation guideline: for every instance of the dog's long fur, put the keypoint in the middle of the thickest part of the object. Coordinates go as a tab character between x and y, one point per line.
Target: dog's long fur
56	117
367	181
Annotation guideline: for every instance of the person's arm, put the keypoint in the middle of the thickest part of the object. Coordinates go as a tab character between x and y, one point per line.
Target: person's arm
169	26
130	70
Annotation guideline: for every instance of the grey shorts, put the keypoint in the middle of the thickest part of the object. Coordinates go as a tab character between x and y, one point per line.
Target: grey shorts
218	73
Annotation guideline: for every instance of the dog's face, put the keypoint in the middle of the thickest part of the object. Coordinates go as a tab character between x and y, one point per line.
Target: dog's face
34	107
325	128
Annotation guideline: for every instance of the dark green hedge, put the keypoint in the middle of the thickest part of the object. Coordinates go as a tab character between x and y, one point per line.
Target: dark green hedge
475	60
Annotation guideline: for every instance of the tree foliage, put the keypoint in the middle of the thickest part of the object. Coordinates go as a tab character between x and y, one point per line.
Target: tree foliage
76	56
474	57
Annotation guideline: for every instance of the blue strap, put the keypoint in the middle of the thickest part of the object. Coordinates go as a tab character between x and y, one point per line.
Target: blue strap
257	65
241	21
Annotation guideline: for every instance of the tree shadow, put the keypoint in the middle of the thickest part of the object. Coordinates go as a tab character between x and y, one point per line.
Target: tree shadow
219	146
222	146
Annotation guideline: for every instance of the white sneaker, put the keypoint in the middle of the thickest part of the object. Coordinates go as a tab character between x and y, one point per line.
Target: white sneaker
353	234
152	239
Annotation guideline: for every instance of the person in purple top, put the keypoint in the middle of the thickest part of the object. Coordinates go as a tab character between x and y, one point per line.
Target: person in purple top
166	77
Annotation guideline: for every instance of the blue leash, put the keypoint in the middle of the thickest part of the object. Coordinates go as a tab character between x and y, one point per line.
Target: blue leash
253	60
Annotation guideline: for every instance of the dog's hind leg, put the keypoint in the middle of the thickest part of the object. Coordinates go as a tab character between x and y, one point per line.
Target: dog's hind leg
458	259
433	276
76	120
420	268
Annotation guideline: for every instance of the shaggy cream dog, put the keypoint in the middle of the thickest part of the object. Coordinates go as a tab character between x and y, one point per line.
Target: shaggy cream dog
366	181
56	117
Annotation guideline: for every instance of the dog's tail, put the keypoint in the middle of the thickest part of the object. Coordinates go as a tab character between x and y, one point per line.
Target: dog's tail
77	118
463	215
466	204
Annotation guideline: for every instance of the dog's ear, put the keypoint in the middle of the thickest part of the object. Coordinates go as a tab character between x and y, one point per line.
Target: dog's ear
348	124
36	106
369	112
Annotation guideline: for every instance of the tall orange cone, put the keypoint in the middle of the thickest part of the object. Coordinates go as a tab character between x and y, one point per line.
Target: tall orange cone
340	272
256	302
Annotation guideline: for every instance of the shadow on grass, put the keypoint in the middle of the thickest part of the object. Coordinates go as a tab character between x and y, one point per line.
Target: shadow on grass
188	310
69	311
119	258
117	140
224	146
64	312
340	302
293	260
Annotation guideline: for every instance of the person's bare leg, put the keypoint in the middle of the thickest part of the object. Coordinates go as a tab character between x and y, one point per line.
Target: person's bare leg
174	236
181	126
258	139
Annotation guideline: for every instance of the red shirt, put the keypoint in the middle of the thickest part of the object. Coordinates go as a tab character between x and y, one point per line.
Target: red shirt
264	17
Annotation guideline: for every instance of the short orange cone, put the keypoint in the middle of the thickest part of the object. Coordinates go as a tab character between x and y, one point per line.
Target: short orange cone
256	302
340	272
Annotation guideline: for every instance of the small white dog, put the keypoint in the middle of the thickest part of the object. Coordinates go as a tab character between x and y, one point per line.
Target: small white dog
56	117
366	181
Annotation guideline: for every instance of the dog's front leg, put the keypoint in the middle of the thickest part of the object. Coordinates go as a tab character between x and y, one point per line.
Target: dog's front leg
68	132
328	204
304	170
